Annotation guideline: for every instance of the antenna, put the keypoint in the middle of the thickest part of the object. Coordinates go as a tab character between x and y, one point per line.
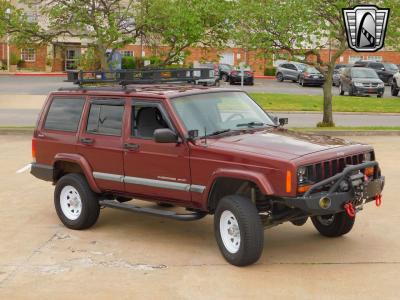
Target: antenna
205	135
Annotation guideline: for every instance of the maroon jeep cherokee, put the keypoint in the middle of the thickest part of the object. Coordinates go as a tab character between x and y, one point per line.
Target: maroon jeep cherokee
209	150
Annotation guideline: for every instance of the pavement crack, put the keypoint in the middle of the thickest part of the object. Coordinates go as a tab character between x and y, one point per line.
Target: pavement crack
25	261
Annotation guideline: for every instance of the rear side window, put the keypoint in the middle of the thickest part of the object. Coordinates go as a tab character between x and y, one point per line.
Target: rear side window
64	114
105	119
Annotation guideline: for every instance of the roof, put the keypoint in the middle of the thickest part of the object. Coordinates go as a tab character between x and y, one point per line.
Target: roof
166	90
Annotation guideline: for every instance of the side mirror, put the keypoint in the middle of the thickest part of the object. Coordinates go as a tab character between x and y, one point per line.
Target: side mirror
275	119
165	135
283	121
192	134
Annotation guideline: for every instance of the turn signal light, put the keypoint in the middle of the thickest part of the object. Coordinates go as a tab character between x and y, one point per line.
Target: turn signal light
288	181
303	188
369	171
33	150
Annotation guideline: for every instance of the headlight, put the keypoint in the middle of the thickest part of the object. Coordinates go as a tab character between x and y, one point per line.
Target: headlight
381	85
302	175
358	84
367	156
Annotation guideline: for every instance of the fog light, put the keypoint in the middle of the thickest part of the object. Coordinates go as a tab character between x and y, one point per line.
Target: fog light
324	202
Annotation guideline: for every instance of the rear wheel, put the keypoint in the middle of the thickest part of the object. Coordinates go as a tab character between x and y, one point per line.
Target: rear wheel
238	230
341	92
394	89
224	77
76	204
333	225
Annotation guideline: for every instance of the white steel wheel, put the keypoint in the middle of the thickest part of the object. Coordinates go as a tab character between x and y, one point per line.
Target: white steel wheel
70	202
230	232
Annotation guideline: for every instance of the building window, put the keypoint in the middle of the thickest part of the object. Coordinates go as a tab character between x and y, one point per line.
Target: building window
127	53
353	59
375	58
28	54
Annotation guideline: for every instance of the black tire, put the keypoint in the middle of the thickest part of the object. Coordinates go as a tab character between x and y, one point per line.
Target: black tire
294	80
224	77
251	230
165	204
341	92
390	80
338	226
231	82
90	209
379	96
394	89
279	77
122	199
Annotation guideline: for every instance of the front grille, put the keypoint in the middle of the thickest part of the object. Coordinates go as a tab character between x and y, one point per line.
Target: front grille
369	84
322	170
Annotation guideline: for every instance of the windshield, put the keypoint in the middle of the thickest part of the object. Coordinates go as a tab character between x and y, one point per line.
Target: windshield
312	70
363	73
391	67
301	67
222	111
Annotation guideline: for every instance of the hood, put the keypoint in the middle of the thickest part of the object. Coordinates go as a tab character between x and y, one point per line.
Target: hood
367	80
278	142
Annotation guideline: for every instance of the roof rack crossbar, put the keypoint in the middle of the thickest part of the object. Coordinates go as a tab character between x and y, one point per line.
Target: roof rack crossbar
146	76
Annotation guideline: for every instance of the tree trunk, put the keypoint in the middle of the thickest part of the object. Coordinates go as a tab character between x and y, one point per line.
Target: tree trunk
327	120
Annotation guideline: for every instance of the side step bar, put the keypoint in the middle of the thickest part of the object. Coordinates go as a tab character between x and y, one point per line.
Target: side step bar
152	211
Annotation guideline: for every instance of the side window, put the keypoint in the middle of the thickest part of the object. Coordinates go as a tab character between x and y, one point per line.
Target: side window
146	118
291	67
284	66
64	114
105	119
376	66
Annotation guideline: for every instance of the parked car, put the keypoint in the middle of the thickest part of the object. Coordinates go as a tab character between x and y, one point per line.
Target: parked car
212	151
289	71
224	71
236	77
385	70
360	81
336	73
212	81
395	86
311	76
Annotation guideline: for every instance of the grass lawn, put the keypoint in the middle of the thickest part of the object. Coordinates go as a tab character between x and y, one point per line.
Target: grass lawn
294	102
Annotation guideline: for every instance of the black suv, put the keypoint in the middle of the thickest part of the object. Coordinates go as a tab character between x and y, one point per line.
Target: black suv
360	81
385	70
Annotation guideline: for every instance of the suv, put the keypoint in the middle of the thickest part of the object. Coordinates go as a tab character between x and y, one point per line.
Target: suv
385	70
289	71
212	151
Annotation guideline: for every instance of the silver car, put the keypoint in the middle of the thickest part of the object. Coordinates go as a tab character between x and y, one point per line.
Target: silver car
289	71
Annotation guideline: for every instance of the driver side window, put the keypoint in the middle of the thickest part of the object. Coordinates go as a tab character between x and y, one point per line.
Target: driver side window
146	118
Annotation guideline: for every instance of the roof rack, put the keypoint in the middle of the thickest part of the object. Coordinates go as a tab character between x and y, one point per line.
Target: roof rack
202	76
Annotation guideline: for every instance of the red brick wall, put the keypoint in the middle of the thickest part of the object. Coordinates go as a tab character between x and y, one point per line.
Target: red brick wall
40	60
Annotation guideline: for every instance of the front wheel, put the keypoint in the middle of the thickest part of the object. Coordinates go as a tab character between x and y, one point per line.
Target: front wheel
341	92
333	225
238	230
76	204
394	89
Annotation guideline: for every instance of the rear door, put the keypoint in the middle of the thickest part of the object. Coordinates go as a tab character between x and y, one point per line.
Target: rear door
100	141
156	170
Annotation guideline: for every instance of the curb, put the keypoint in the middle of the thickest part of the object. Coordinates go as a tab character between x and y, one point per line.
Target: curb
35	74
335	112
264	77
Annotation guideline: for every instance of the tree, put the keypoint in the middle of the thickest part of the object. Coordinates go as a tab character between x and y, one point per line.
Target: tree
105	24
301	29
176	25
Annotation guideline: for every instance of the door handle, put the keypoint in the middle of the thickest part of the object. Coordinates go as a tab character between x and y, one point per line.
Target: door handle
86	141
131	146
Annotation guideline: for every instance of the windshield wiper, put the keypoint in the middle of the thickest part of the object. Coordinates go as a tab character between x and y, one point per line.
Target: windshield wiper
217	132
249	124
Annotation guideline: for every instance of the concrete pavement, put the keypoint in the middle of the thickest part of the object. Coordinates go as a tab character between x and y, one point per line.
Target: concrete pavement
133	256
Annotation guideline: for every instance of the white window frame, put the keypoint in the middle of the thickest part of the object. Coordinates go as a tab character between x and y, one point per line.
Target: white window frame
356	58
128	53
376	58
27	56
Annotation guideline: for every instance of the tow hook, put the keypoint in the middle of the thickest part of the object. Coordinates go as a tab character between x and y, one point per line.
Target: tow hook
349	208
378	200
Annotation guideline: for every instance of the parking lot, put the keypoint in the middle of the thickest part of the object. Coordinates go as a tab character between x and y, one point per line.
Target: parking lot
43	85
133	256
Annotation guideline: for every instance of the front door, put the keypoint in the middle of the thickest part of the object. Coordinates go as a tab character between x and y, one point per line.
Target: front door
158	170
100	141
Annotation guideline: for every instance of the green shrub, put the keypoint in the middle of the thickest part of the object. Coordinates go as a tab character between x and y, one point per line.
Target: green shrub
13	59
128	63
89	61
270	71
20	63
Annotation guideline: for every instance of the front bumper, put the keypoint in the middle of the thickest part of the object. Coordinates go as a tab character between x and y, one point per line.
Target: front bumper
368	90
364	192
313	81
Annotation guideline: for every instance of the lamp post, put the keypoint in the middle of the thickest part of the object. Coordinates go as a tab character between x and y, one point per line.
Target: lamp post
8	12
